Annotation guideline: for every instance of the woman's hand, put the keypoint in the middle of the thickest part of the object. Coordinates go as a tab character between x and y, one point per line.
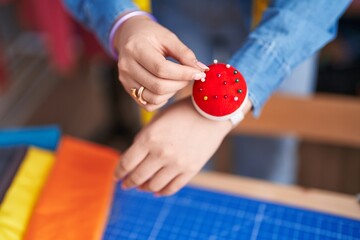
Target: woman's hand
169	151
143	46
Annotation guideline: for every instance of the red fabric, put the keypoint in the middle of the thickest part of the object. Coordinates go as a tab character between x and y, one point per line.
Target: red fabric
3	73
62	34
218	95
53	21
92	48
76	198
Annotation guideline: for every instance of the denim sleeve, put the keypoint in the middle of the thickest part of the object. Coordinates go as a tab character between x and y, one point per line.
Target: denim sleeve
99	15
290	32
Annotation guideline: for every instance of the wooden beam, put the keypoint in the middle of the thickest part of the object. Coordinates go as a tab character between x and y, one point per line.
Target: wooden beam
324	117
318	200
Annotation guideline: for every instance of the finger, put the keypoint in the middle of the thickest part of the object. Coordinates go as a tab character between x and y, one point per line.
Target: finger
143	172
153	101
156	85
131	159
152	60
183	54
145	186
152	107
156	99
175	185
162	178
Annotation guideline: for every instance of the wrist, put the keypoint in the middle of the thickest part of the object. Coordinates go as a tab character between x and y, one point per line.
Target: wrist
226	126
218	127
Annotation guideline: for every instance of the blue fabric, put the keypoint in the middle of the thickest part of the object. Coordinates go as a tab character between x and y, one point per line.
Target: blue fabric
46	137
290	32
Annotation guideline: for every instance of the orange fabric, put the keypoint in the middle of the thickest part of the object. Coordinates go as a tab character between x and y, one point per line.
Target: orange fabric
75	201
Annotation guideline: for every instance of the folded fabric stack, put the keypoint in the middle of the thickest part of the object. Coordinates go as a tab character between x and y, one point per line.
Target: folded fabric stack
53	187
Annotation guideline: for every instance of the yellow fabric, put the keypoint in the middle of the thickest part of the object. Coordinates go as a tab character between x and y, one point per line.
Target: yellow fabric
259	6
144	5
146	116
21	197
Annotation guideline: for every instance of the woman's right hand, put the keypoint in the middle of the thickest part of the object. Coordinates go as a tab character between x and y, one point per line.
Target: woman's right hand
143	46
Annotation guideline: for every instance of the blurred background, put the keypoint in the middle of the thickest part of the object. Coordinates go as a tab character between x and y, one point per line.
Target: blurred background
52	71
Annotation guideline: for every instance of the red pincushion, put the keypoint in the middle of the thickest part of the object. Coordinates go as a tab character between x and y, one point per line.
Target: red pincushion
222	93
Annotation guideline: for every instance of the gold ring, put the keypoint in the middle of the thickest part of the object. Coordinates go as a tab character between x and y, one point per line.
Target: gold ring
133	92
139	95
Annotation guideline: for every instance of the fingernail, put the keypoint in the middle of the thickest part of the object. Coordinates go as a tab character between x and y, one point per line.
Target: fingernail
201	65
198	76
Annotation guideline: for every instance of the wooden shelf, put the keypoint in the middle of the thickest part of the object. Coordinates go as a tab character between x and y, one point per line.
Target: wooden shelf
324	117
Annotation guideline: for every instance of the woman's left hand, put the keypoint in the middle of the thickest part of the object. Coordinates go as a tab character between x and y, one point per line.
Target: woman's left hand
171	149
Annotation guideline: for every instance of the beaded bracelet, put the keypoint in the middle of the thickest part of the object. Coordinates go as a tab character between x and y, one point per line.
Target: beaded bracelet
118	24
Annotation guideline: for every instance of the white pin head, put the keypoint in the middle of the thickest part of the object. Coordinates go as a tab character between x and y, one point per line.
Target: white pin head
216	61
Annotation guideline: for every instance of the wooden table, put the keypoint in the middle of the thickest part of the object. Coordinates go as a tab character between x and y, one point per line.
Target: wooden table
320	200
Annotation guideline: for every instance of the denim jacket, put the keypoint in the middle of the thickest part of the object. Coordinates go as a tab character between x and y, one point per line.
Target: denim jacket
290	32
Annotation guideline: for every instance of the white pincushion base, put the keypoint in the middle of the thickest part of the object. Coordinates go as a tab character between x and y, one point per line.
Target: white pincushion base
234	117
